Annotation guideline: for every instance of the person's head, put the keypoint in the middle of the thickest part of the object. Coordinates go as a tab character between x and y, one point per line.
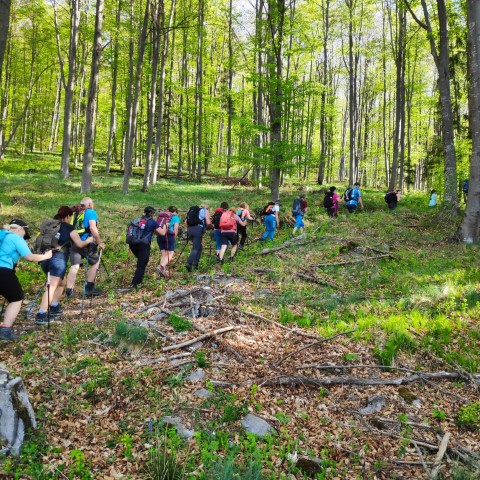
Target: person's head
172	209
432	192
87	202
244	205
277	202
332	189
397	190
233	210
204	205
224	205
356	184
64	213
149	211
19	227
302	196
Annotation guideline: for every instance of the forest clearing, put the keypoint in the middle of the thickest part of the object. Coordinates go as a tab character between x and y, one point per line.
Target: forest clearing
357	344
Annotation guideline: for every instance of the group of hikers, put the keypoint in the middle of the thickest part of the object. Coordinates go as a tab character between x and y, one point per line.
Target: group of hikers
73	236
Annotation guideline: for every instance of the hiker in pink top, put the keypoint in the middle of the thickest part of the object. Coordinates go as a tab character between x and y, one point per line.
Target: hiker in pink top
228	228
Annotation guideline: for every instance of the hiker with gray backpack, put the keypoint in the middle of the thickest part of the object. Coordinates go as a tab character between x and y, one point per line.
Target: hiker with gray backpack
13	245
57	235
139	237
299	209
197	221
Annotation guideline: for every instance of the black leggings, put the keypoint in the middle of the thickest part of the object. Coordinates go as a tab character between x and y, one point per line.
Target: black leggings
142	252
195	235
242	234
10	287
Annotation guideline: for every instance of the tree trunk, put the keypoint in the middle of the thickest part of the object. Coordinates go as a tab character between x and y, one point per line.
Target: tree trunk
199	91
230	84
91	113
470	227
5	6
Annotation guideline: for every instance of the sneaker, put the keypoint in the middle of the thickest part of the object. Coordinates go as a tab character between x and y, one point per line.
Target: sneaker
189	267
217	258
7	335
240	247
93	292
69	292
41	318
56	310
161	271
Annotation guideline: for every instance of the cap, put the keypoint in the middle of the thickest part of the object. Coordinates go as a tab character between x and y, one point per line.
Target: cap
21	223
148	210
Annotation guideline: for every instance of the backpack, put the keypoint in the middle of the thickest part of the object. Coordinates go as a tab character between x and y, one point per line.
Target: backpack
390	197
77	219
267	209
240	213
227	221
297	207
193	216
136	232
328	200
465	186
347	196
48	236
164	218
216	218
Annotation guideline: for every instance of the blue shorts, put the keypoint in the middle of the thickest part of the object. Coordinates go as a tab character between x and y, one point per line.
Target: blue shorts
57	265
299	221
166	242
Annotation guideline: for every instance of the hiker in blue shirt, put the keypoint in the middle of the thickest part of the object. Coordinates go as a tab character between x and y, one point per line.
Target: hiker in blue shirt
166	243
270	212
354	199
12	247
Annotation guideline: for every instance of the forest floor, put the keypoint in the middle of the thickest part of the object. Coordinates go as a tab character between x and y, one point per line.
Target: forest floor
357	343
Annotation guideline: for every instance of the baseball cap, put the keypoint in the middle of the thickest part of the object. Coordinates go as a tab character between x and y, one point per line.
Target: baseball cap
21	223
148	210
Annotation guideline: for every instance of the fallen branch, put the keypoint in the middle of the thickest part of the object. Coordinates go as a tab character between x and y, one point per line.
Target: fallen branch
297	242
437	464
199	339
350	262
319	382
318	281
318	342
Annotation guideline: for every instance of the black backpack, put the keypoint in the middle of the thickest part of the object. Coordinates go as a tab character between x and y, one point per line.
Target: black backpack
136	232
216	220
347	196
267	209
193	216
48	237
390	197
328	200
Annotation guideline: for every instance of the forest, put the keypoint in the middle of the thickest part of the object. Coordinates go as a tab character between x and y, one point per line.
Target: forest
347	352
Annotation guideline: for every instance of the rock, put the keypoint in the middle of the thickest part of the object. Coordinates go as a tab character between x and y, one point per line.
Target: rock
203	393
196	376
407	395
256	425
309	465
374	404
195	346
16	413
179	427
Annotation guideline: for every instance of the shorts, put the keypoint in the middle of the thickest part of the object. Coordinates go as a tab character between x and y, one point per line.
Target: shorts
57	265
10	287
351	207
166	242
299	221
78	254
226	237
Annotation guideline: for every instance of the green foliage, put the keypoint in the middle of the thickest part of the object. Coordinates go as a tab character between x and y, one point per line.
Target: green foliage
469	416
180	324
80	468
227	469
129	336
439	415
397	342
201	357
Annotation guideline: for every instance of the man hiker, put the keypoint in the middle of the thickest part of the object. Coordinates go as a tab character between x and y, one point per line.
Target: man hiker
90	223
299	208
270	211
354	198
198	219
392	198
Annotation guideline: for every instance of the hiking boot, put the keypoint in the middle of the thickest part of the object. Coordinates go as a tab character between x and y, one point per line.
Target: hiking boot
217	258
240	247
69	292
189	267
93	292
56	310
41	318
7	335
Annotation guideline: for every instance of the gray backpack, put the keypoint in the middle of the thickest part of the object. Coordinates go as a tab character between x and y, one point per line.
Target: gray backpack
48	237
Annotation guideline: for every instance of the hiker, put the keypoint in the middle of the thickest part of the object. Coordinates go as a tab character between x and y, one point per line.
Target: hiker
433	199
331	202
353	197
57	265
198	219
299	208
166	243
216	228
465	187
270	211
141	250
228	229
90	224
13	245
392	198
244	213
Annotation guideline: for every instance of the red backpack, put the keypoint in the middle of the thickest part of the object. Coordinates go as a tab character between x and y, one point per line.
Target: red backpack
163	218
227	221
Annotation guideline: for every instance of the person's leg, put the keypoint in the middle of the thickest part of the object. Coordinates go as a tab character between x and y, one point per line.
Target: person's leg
143	256
11	289
11	313
75	261
72	275
222	251
195	234
270	225
50	295
217	235
234	242
266	234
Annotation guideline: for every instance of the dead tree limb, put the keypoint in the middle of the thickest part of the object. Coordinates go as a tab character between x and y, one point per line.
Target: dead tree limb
351	262
297	242
437	464
199	339
318	281
318	342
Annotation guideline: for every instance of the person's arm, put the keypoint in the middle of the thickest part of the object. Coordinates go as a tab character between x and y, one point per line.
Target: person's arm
92	225
208	221
360	201
175	229
161	230
38	257
78	241
240	221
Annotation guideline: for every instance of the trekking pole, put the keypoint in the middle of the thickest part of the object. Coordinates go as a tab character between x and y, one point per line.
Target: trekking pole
3	306
34	301
95	277
104	266
84	285
48	298
183	249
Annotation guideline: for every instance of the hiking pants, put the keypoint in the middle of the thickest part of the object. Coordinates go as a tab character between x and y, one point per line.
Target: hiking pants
142	252
270	227
242	234
195	235
217	235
